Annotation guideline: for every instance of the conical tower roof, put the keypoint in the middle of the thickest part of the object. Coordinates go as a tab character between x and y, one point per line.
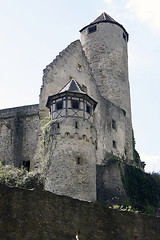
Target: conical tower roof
72	86
104	17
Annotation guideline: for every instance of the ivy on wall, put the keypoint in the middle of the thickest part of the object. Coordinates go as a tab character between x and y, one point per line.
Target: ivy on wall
142	189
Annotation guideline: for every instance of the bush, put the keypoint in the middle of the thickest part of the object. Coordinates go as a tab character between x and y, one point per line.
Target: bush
14	177
143	189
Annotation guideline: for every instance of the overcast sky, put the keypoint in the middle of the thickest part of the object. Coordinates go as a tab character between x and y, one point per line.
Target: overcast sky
33	32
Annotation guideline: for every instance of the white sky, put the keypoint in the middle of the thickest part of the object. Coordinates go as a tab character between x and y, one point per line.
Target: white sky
33	32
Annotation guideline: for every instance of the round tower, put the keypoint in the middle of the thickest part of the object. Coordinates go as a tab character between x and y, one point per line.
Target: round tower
70	144
105	44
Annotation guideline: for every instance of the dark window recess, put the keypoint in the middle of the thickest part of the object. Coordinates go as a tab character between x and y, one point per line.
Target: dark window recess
79	160
59	105
79	67
124	36
75	104
58	126
88	108
76	124
92	29
26	165
114	124
114	144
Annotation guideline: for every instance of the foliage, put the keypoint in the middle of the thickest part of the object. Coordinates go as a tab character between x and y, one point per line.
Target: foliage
111	161
136	156
123	208
143	189
14	177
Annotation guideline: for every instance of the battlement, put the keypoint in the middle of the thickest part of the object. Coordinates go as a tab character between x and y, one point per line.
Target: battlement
71	128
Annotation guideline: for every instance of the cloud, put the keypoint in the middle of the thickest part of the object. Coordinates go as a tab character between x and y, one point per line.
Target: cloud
152	162
108	1
146	11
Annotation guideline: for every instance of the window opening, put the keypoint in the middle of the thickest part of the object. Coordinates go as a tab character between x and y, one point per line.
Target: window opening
26	165
76	124
88	109
59	105
113	124
79	67
114	144
79	160
75	104
124	36
58	125
92	29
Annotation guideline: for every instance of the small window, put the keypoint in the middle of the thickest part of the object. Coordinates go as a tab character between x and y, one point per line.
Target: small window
58	126
78	161
26	165
92	29
88	109
76	124
75	104
114	144
79	67
124	36
59	105
113	124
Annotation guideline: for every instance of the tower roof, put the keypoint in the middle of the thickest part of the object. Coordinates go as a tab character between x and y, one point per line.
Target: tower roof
104	17
72	86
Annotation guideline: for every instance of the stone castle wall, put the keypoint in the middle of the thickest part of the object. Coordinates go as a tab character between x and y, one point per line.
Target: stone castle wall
72	62
42	215
18	134
70	147
106	52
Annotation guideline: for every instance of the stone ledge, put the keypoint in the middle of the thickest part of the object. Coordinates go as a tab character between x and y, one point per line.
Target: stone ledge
24	110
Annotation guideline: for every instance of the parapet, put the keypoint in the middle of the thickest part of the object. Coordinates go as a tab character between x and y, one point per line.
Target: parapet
24	110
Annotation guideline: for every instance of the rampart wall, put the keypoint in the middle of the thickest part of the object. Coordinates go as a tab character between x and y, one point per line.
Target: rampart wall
41	215
18	134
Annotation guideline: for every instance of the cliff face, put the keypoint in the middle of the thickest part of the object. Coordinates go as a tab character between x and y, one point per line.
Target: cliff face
43	215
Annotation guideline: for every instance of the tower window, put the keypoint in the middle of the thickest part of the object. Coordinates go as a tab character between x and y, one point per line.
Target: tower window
75	104
113	124
26	165
92	29
88	109
114	144
76	124
124	36
78	160
59	105
79	67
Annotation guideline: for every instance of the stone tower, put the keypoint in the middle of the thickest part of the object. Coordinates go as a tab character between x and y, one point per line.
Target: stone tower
70	143
105	44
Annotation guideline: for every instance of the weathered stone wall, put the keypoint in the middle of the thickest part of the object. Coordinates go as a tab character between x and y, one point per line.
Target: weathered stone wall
18	134
42	215
71	159
106	52
109	184
58	73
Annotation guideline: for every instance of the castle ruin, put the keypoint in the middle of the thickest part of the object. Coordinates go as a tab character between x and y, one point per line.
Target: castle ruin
86	94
